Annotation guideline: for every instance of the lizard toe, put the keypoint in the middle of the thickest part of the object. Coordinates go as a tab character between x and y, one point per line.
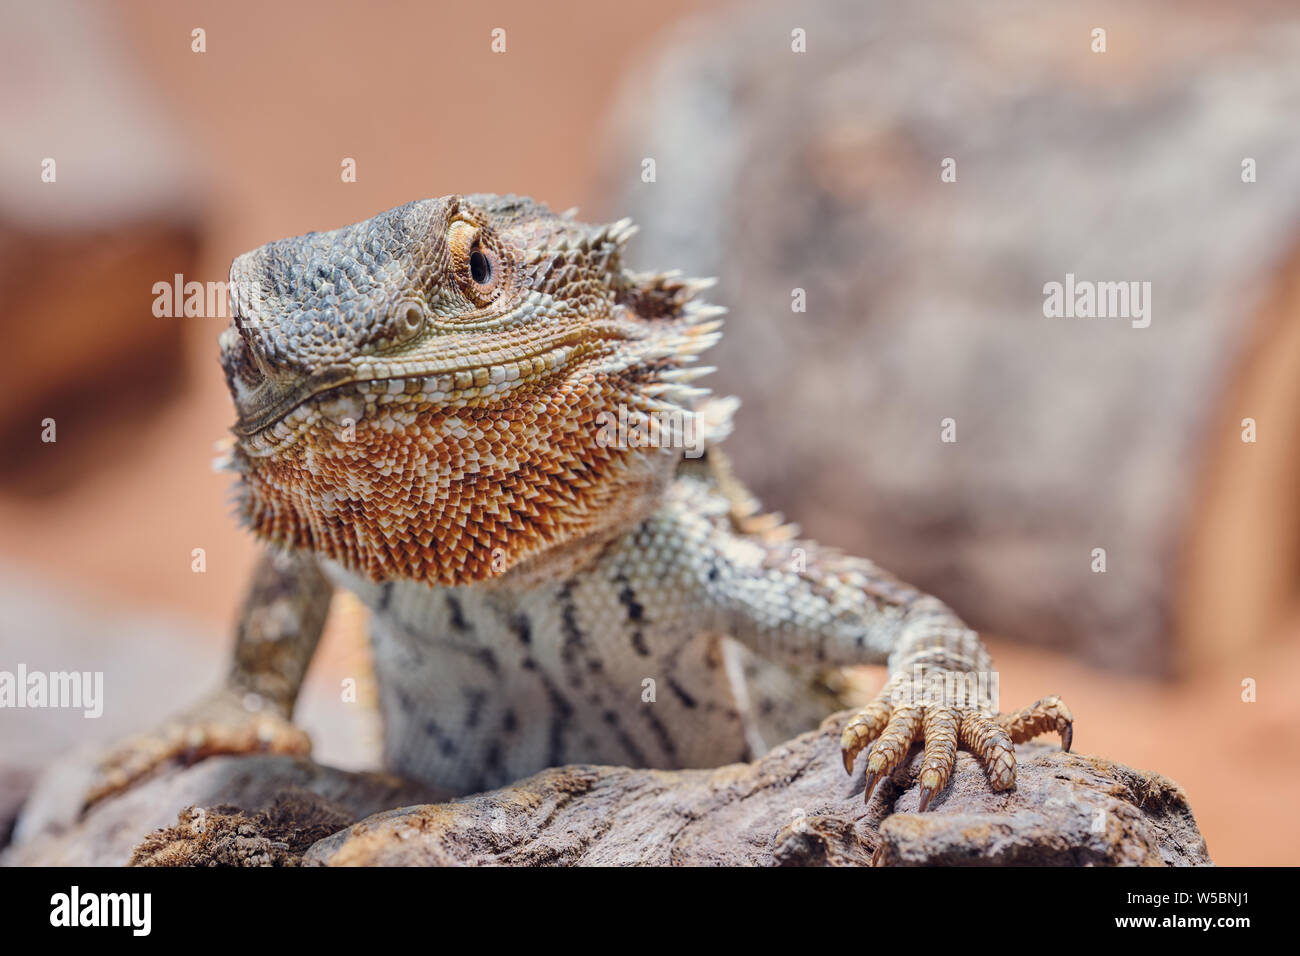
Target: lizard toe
1049	715
864	727
939	727
896	739
991	745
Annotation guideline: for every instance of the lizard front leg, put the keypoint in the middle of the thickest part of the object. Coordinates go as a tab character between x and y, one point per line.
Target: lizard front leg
280	624
794	600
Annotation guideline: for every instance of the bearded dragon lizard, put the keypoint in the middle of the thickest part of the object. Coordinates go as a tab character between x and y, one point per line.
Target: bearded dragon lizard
423	401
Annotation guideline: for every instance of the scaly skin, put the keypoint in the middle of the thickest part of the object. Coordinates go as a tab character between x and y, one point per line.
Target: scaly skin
420	402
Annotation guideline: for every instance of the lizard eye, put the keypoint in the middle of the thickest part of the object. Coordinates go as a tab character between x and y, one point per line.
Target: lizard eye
480	267
476	261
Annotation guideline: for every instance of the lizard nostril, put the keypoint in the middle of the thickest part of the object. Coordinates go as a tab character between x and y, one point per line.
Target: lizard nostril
412	320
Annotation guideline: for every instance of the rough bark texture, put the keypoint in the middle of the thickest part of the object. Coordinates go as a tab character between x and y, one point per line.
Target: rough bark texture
820	171
305	793
794	807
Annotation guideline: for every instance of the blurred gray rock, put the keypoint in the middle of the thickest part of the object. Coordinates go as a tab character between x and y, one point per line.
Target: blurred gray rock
820	171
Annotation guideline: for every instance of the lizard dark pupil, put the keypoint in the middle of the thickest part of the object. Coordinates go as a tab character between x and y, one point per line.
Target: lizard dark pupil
480	268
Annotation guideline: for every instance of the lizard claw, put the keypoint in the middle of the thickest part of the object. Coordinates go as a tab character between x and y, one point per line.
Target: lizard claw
943	728
869	784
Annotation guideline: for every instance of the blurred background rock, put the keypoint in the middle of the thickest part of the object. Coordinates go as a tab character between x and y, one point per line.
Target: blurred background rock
774	171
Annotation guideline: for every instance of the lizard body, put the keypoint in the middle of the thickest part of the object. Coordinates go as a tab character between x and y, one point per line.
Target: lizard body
422	404
422	399
622	662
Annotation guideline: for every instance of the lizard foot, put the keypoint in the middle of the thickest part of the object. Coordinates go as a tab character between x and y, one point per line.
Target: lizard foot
943	728
220	724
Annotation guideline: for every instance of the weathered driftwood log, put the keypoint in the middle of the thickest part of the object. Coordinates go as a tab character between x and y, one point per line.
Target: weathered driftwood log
1168	158
300	794
796	806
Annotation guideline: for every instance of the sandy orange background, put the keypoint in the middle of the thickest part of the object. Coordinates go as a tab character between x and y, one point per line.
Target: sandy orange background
413	93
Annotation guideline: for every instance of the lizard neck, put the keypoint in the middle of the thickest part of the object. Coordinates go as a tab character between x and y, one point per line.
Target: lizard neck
522	489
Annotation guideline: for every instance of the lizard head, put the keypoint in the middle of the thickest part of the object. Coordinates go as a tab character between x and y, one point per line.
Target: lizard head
458	389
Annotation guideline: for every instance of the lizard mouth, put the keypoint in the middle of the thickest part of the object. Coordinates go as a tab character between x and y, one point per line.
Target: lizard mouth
273	401
272	405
